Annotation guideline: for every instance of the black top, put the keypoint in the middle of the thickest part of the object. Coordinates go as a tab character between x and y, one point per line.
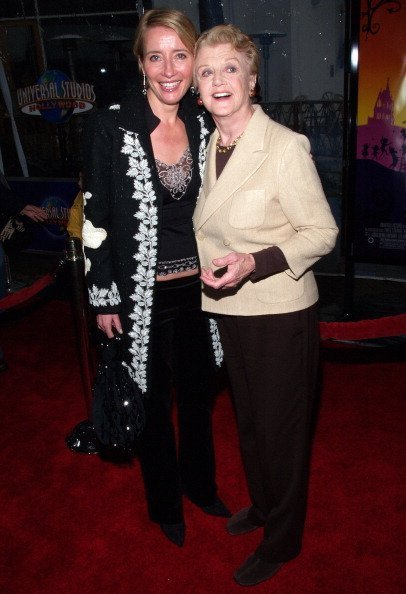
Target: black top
177	249
180	184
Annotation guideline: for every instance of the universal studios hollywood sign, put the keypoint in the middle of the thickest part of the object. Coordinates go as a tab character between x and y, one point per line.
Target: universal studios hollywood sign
55	97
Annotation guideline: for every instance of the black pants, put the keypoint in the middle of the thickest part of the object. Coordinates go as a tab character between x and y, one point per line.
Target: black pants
272	364
182	363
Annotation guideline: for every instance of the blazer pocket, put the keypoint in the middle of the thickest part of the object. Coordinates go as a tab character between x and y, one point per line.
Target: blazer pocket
247	209
279	288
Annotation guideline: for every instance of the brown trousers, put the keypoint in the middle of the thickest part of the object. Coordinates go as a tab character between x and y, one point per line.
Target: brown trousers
272	363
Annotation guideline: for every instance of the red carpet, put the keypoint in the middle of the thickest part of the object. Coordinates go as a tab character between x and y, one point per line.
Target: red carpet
74	524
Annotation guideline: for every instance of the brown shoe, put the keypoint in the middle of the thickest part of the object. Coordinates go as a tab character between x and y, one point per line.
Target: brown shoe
256	570
240	524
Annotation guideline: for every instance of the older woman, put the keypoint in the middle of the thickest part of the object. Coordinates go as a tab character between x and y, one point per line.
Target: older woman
142	165
261	222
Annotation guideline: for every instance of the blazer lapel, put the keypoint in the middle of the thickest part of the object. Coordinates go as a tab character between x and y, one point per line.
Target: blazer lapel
247	157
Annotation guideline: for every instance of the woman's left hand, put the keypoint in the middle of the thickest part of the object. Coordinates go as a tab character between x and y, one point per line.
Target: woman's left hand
238	265
35	213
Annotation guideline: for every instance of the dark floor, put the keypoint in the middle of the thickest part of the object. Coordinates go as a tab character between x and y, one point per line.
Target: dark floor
370	298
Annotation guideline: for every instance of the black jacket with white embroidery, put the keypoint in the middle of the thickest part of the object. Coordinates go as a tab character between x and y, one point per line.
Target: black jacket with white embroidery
122	218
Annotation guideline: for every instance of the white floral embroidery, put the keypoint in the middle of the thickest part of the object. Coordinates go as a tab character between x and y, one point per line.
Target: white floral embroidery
215	338
92	236
146	256
115	106
88	265
203	144
86	197
102	297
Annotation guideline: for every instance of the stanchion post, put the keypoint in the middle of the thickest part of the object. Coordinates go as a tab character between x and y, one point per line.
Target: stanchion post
75	267
83	438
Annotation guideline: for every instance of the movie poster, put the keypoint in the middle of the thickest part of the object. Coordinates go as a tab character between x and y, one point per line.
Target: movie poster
380	204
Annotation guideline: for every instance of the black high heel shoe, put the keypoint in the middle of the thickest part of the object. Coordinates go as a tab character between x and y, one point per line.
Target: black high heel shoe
174	532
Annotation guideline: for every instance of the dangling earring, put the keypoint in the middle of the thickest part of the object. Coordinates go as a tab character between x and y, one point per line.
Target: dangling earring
252	92
193	90
144	84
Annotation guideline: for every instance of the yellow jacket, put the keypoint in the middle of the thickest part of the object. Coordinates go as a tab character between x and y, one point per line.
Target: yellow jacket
75	223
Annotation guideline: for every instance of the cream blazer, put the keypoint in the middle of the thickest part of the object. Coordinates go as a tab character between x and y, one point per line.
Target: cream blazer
268	194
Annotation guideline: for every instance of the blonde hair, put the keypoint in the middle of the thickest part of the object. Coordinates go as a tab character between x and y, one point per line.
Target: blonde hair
233	35
164	17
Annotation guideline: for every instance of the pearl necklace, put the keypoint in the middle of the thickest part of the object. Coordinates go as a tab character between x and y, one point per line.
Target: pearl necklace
224	149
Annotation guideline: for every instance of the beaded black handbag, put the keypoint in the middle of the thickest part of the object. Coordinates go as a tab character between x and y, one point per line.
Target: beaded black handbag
118	412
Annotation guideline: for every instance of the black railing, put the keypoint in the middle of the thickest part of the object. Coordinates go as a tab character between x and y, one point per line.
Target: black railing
54	151
322	122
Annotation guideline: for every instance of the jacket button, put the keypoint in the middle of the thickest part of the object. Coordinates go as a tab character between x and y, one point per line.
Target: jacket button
226	241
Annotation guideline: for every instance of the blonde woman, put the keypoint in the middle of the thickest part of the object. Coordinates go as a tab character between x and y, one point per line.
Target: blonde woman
142	167
261	222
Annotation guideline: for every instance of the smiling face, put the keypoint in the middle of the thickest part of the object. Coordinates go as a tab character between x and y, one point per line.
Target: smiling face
168	66
224	81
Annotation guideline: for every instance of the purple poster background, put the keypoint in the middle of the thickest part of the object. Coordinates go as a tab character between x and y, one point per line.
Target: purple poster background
380	203
56	197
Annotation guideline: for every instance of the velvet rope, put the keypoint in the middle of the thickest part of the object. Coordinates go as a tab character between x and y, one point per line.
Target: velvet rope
364	329
361	330
25	294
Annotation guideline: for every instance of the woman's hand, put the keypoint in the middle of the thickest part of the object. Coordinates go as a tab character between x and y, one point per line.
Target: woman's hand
238	265
35	213
106	323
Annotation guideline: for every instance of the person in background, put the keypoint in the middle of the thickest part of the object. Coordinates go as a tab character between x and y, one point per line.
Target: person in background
75	222
261	222
142	168
11	205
